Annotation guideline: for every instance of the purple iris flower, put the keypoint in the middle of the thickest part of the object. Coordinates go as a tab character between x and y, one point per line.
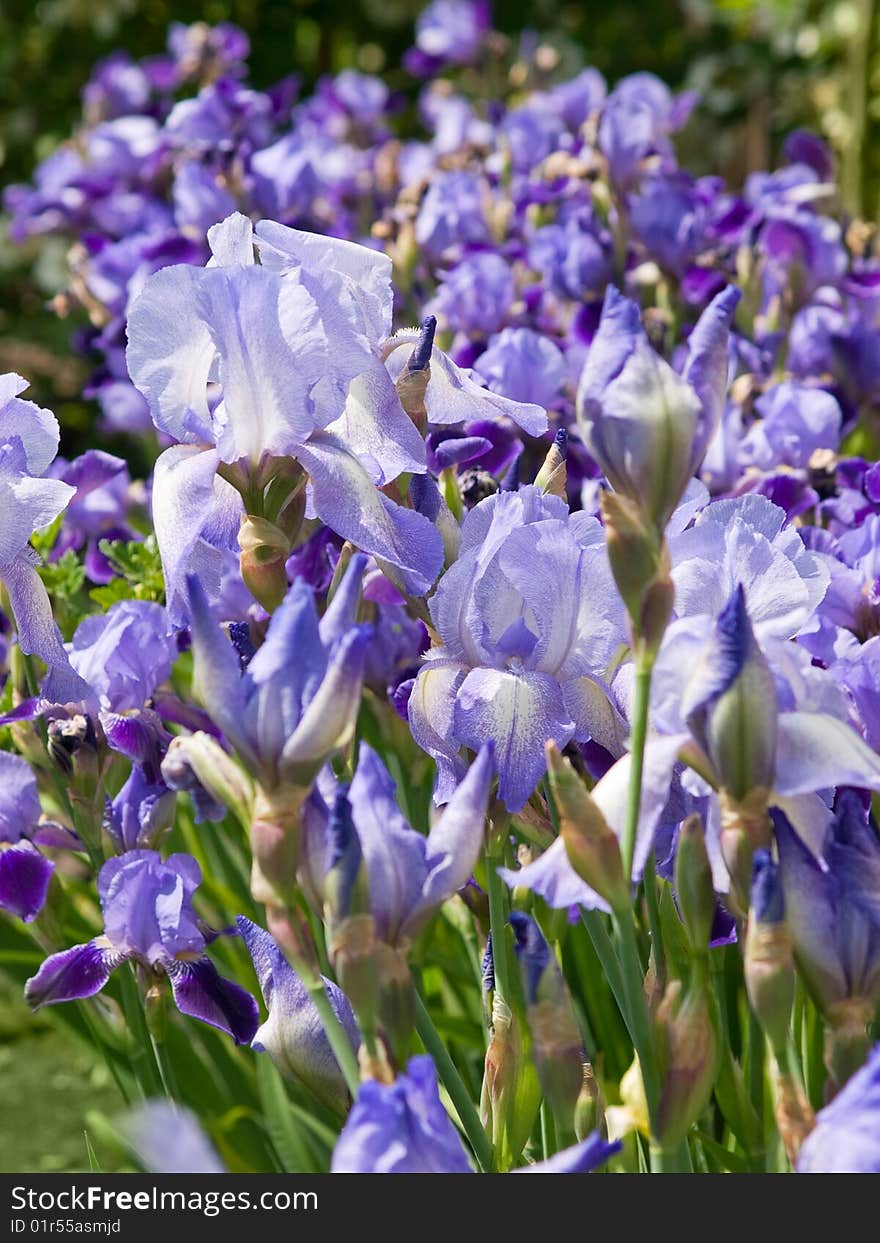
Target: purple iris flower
140	813
149	919
805	751
125	653
580	97
296	701
200	199
846	1138
804	147
307	323
402	1128
483	445
796	420
573	258
637	119
747	541
409	875
801	248
524	365
118	86
518	661
851	604
293	1034
28	500
24	872
832	905
210	50
453	213
476	295
450	32
735	674
97	509
529	134
635	412
669	219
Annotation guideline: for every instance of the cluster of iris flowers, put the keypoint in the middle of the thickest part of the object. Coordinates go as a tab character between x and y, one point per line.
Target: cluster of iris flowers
497	697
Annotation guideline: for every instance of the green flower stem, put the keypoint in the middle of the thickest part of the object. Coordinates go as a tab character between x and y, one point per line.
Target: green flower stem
639	1020
144	1065
641	700
165	1068
454	1085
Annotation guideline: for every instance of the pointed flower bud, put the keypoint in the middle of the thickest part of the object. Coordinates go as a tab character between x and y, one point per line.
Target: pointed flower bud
589	1112
350	922
346	888
647	426
511	1092
412	383
293	1034
591	845
551	478
730	704
640	565
769	960
264	552
73	745
556	1040
693	884
687	1054
831	911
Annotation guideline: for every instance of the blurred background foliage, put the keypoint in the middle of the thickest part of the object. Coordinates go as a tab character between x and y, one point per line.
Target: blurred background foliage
762	67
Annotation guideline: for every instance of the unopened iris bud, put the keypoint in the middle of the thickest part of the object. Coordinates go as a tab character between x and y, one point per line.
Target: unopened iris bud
730	704
552	478
350	922
264	552
511	1092
647	426
556	1040
831	911
769	959
591	845
694	890
640	564
413	381
589	1114
687	1055
730	707
397	999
